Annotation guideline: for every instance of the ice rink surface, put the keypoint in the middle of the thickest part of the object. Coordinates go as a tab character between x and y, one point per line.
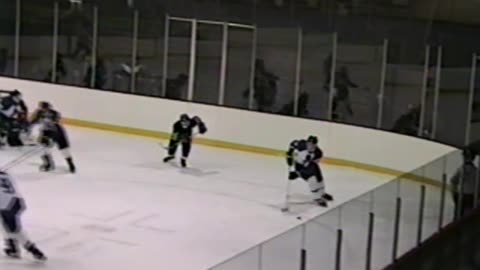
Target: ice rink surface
126	209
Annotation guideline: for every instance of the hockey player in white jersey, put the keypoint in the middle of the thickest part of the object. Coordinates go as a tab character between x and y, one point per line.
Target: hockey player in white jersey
303	157
52	132
11	207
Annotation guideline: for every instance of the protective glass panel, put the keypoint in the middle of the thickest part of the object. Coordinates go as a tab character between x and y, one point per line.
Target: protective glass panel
208	63
321	240
7	40
402	97
75	41
315	74
354	223
384	208
36	41
115	31
249	259
239	67
275	70
178	59
357	81
283	251
150	45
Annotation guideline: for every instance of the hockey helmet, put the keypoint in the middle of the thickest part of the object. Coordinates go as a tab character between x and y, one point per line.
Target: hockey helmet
15	93
44	105
312	139
184	117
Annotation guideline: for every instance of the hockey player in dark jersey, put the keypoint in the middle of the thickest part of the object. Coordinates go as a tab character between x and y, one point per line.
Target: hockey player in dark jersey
182	134
303	157
13	113
52	132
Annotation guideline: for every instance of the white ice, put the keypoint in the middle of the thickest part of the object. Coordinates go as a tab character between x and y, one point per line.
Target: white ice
125	209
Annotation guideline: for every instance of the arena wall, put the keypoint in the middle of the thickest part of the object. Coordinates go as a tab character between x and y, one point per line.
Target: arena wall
364	148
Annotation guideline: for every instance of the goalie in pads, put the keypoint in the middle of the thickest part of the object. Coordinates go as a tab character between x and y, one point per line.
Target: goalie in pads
303	157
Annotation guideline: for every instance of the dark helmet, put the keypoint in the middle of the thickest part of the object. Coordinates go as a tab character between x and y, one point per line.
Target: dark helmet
15	93
44	105
468	154
184	117
312	139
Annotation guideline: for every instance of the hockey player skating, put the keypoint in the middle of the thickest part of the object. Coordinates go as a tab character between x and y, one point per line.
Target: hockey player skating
182	134
13	113
11	207
303	157
52	132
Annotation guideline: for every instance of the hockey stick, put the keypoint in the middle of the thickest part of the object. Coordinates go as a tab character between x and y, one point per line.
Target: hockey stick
21	158
285	207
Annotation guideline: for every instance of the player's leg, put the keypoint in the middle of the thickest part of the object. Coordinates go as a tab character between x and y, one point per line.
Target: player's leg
45	140
64	147
172	148
14	233
312	175
318	190
319	176
11	244
186	147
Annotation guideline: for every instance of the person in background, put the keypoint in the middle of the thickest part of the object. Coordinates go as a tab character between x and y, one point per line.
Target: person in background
3	60
100	73
465	185
61	72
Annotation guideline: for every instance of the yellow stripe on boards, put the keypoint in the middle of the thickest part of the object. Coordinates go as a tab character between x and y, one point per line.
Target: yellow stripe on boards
251	149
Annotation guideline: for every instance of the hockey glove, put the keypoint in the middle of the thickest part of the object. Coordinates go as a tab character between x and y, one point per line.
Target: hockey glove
202	128
292	175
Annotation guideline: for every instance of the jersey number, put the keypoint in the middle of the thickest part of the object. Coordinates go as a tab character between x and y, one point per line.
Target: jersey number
6	185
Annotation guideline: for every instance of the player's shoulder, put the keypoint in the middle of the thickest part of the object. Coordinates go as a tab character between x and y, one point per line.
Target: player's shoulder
298	143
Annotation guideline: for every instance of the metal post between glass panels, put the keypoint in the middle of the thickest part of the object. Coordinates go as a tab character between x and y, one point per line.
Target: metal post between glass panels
442	195
460	203
396	230
165	56
470	98
298	71
421	208
18	15
333	68
475	194
93	61
371	224
438	73
134	52
338	253
223	67
381	91
303	251
260	257
55	43
193	55
253	59
423	96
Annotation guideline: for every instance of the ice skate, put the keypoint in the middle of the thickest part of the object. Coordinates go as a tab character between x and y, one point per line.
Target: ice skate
183	162
11	249
327	197
71	165
167	159
321	202
47	164
36	253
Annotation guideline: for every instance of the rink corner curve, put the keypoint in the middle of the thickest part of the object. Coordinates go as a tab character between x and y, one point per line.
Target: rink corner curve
249	148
